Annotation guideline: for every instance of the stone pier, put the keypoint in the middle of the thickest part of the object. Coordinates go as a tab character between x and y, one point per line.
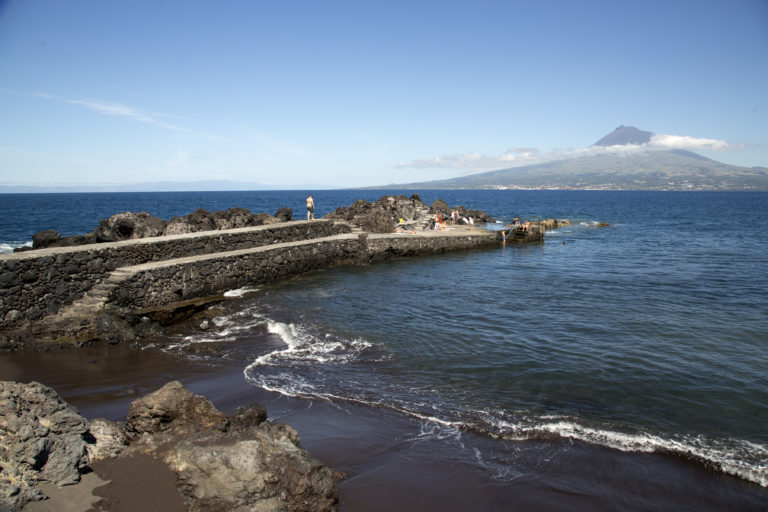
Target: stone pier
109	291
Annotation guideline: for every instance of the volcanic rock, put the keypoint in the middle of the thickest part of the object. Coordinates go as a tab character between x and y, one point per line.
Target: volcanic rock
199	220
172	407
42	439
385	213
284	214
129	226
46	238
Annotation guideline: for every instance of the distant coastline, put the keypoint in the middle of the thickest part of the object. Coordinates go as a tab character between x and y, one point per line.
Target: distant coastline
161	186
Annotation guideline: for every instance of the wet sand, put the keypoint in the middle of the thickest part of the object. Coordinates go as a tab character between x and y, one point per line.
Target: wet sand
392	462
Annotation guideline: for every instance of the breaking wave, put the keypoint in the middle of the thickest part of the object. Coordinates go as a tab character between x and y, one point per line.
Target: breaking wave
315	365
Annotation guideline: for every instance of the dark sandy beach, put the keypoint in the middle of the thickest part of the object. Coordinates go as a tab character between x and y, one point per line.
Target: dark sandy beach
391	462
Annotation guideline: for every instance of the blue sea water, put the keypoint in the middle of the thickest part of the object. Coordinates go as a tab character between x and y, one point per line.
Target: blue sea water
649	335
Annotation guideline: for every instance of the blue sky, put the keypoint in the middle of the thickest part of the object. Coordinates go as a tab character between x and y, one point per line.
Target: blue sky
367	93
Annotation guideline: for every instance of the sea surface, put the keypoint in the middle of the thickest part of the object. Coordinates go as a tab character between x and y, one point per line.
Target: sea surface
646	336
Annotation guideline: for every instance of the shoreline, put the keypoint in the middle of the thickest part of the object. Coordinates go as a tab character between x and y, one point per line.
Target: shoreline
392	461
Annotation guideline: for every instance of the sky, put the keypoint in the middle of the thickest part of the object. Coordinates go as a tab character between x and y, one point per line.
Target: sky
344	94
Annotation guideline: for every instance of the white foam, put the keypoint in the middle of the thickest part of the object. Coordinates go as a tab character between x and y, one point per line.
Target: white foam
240	292
227	328
744	459
301	346
6	248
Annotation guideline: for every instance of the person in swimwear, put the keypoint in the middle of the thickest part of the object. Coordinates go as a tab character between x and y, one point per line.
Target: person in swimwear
310	207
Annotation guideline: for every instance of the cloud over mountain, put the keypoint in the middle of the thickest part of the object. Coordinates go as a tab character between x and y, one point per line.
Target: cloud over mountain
625	140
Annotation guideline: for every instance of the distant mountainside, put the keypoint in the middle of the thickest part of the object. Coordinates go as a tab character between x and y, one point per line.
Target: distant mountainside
636	170
159	186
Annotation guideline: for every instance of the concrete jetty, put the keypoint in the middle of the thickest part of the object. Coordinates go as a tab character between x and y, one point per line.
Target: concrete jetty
121	290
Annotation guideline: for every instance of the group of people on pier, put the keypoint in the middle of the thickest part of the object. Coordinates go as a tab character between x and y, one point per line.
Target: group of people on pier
440	223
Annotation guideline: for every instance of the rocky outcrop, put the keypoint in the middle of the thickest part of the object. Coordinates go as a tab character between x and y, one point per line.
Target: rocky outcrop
51	238
552	223
108	438
42	439
285	214
251	465
129	226
172	407
236	462
383	215
132	225
203	220
45	238
223	462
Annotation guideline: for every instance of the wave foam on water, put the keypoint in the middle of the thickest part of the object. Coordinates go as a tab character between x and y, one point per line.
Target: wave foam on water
303	347
308	367
240	292
735	457
6	248
226	329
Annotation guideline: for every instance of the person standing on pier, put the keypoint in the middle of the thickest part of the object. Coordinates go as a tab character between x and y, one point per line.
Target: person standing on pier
310	207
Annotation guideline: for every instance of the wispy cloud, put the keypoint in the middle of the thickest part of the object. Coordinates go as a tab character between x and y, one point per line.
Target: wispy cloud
120	110
516	157
109	108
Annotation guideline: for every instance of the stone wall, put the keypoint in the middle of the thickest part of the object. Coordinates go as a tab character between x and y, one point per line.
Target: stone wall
383	247
180	280
34	284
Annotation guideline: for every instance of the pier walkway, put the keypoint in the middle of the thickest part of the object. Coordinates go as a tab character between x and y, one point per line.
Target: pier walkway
76	294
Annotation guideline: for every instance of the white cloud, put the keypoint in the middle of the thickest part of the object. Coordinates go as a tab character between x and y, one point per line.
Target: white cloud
692	143
516	157
476	161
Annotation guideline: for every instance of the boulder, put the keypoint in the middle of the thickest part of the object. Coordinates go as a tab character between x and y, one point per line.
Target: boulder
440	207
236	462
171	408
108	439
129	226
284	214
43	239
258	467
42	439
232	218
203	220
199	220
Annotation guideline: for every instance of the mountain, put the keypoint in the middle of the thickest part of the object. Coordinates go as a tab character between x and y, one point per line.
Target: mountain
624	165
624	135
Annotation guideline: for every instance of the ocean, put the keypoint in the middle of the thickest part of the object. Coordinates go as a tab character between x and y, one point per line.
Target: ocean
647	337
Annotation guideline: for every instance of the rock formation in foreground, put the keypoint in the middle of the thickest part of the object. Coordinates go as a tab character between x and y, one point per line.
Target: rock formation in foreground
222	462
42	439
